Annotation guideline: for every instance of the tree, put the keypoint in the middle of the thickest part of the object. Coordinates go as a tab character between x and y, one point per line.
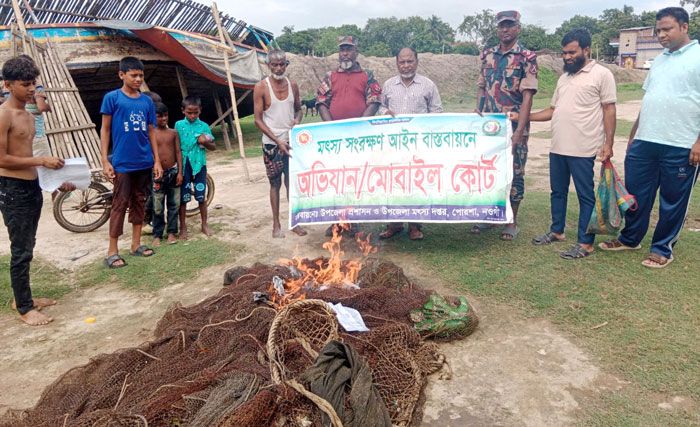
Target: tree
694	3
614	20
378	49
299	42
389	31
648	19
694	26
287	30
328	43
480	29
535	37
579	21
466	49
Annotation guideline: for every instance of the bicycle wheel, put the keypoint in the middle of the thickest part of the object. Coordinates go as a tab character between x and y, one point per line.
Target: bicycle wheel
209	197
81	211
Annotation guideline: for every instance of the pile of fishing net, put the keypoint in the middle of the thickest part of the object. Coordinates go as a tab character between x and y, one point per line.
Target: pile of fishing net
233	361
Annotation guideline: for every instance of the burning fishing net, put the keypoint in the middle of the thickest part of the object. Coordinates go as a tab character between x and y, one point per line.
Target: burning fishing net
236	358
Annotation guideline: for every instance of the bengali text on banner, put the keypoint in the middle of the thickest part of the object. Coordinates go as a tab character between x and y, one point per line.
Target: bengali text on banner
422	168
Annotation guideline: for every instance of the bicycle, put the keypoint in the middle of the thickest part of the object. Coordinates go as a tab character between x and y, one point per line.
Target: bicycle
82	211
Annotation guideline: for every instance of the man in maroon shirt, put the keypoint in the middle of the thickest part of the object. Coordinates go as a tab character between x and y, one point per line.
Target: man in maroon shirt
348	91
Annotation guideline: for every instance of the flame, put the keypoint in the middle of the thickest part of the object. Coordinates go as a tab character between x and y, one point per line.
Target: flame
333	271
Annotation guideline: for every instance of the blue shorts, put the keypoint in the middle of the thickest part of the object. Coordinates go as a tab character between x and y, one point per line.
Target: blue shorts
198	182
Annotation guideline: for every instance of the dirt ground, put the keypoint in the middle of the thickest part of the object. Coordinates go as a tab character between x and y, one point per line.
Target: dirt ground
513	371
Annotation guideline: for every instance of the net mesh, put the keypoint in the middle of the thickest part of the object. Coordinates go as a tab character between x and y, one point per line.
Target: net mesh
225	360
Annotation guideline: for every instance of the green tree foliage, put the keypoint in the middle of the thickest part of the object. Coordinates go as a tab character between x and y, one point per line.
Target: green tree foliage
579	21
379	37
390	31
479	29
612	21
535	37
694	26
378	49
386	36
300	42
466	49
607	27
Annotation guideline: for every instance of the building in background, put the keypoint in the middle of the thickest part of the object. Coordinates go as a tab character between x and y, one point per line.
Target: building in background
637	47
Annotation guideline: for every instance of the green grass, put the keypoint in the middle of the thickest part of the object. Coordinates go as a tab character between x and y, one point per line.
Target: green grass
252	140
171	264
652	316
47	281
546	84
629	92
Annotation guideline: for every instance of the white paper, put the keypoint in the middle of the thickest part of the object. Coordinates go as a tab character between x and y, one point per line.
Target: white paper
75	171
349	318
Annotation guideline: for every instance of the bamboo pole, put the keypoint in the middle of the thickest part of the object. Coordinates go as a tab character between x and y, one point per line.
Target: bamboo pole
230	110
181	82
215	12
224	128
18	17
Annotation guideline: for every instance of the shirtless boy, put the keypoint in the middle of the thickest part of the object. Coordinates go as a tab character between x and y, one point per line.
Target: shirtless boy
20	195
166	191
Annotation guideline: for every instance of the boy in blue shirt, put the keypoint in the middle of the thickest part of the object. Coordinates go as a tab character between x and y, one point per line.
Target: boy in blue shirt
129	118
195	137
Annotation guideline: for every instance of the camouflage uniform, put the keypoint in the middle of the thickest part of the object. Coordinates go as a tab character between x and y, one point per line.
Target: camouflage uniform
503	77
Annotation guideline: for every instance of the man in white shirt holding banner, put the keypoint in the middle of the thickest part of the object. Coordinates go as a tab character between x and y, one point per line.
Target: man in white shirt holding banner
408	93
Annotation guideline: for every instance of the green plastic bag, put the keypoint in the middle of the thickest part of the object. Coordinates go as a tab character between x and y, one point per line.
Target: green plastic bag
441	319
611	202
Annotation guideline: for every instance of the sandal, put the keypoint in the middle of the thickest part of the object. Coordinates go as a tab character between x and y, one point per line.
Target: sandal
141	251
110	261
511	231
616	245
546	239
658	260
390	232
415	235
577	252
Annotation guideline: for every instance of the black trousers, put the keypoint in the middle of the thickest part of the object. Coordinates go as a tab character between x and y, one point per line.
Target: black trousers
20	203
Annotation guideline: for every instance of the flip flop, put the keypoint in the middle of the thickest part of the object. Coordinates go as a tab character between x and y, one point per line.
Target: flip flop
616	245
141	251
577	252
510	231
109	262
661	262
546	239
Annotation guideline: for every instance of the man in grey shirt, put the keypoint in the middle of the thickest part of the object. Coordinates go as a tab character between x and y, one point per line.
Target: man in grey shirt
408	93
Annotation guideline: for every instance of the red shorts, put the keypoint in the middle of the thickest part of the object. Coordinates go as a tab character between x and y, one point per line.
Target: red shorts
129	192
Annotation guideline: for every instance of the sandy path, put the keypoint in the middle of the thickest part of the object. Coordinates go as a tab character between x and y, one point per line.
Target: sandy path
513	371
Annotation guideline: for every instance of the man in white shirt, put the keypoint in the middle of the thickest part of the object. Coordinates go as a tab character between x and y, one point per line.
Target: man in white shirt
408	93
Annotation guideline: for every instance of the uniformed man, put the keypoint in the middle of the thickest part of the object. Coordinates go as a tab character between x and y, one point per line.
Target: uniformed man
507	82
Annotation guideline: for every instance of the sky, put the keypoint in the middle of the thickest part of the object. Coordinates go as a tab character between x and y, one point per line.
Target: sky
273	15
